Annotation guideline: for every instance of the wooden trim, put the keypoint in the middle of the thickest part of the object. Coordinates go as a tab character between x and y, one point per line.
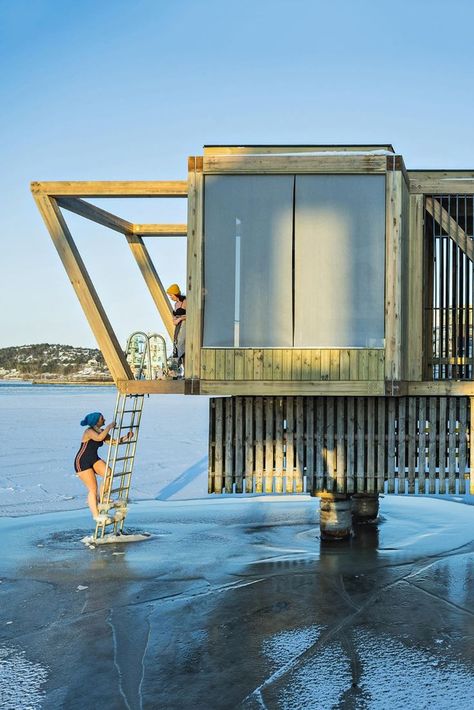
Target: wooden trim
393	251
291	149
121	188
443	182
152	280
84	288
95	214
194	270
414	275
160	230
461	388
151	386
350	164
282	387
449	224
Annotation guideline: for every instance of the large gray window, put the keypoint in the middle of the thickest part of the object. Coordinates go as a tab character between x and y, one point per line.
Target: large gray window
248	226
294	261
339	261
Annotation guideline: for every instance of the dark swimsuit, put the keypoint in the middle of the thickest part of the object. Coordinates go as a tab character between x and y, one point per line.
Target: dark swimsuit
87	455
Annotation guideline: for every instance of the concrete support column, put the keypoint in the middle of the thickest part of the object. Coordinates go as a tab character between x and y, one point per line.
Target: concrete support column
365	507
335	519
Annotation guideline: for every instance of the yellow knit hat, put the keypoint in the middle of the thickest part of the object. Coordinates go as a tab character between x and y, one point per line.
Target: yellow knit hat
173	290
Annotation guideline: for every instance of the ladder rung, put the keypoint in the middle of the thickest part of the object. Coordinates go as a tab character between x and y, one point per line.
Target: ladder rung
123	458
123	473
120	489
132	411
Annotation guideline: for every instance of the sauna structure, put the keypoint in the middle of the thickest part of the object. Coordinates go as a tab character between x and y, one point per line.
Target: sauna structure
329	314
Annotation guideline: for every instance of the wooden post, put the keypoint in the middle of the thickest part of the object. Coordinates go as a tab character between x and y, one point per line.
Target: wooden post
194	266
393	246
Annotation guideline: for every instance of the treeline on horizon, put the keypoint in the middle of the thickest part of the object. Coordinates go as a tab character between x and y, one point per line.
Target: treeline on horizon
50	358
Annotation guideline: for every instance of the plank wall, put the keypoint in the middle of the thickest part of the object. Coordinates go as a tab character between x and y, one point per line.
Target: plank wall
341	444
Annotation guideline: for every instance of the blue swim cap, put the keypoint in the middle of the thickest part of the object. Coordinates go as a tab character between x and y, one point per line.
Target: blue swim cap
91	419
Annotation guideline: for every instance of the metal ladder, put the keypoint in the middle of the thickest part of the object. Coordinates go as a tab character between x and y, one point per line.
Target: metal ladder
115	490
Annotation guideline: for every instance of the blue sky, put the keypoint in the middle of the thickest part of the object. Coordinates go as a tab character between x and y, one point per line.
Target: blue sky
127	90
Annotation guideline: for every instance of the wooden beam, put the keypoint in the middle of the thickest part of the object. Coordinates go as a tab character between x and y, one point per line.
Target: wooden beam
95	214
449	224
286	387
285	149
393	252
414	275
263	165
84	288
444	182
194	260
461	388
160	230
152	280
152	386
121	188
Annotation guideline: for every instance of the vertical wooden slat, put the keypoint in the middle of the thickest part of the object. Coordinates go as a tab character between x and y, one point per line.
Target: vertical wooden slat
462	458
212	437
258	364
422	446
350	466
443	432
381	446
319	442
471	445
219	445
248	364
373	366
208	364
220	364
296	362
316	365
452	444
279	415
290	450
306	365
229	445
412	441
268	364
277	365
334	365
363	365
340	445
381	365
239	365
286	364
414	274
299	473
330	446
401	444
309	442
371	445
360	437
239	441
325	364
229	364
269	445
391	448
344	365
432	443
249	449
354	364
258	444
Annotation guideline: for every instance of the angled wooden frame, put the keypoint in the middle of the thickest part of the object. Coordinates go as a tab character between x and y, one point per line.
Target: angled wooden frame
50	197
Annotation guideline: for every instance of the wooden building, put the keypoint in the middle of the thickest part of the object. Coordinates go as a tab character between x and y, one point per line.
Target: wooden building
329	314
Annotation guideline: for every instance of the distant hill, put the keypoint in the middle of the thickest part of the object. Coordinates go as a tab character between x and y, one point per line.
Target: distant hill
52	362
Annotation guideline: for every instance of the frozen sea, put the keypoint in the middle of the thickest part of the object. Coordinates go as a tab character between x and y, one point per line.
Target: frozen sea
233	602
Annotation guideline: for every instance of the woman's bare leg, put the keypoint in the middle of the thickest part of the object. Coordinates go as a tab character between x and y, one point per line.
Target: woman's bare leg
89	480
100	468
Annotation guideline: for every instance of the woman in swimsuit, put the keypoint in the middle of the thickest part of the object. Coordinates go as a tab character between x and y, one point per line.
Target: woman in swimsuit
179	321
87	462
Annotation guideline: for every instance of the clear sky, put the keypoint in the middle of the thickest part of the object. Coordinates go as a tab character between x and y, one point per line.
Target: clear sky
127	89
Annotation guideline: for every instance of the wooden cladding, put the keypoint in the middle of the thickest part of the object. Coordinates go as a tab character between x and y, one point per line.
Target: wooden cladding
230	364
340	444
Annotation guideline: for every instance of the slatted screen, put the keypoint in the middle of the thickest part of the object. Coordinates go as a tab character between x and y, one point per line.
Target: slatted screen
340	444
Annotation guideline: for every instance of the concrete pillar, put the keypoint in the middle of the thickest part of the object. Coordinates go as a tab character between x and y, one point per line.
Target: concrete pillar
335	519
365	507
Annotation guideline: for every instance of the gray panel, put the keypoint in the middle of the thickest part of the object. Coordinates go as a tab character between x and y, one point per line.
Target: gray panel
339	261
248	261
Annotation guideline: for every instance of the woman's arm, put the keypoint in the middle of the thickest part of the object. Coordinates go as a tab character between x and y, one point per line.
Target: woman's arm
102	436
